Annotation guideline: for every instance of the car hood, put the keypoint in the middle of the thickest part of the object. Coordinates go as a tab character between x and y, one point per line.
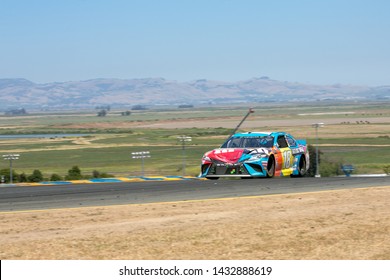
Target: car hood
234	155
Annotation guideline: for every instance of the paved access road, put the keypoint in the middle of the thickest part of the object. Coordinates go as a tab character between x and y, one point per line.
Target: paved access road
19	198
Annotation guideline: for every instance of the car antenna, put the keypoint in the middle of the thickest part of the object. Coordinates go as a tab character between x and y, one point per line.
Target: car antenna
238	126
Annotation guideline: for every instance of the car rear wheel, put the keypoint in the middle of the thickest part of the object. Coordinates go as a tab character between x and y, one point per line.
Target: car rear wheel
301	167
271	167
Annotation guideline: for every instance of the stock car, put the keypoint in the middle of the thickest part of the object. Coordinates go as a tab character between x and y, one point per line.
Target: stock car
257	154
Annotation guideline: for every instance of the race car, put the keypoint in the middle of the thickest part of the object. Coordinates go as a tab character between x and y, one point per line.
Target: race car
257	154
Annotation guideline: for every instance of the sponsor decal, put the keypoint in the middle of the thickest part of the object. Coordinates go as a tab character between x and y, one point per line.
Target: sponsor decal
297	150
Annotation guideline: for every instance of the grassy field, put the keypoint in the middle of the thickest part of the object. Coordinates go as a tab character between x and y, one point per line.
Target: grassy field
354	133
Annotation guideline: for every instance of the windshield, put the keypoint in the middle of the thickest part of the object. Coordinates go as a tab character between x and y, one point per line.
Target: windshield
249	142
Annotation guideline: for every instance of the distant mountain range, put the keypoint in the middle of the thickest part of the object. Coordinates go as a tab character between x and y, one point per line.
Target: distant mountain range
17	93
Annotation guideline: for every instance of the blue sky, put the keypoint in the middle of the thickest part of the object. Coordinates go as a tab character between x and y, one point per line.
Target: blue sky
318	42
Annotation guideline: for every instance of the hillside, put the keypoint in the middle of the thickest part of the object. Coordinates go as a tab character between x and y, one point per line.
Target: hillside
158	91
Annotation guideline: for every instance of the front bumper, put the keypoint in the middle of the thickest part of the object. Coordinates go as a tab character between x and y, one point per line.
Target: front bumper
246	169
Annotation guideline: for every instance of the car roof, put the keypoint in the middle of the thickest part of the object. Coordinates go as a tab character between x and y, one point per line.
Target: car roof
257	134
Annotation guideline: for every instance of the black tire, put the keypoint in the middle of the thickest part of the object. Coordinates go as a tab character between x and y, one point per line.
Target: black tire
271	167
301	167
212	178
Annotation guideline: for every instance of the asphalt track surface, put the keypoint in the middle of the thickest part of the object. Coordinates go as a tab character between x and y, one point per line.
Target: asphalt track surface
22	198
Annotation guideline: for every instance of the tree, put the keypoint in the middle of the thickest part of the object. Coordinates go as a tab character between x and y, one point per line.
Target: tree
102	113
55	177
313	165
95	174
126	113
22	178
74	173
15	112
36	176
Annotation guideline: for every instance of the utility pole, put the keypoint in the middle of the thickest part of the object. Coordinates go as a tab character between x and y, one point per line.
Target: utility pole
316	126
11	157
183	139
141	155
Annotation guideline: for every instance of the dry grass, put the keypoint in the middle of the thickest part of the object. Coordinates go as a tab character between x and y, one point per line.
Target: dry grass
346	224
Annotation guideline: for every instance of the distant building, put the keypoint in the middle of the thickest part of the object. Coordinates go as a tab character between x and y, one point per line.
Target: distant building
184	106
16	112
138	107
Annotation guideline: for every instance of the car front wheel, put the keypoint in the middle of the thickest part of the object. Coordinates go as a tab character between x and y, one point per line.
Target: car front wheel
271	167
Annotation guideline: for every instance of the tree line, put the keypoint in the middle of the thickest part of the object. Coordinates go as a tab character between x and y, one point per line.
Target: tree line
36	176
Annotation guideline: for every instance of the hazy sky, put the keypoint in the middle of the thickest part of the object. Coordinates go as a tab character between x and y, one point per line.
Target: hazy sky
319	42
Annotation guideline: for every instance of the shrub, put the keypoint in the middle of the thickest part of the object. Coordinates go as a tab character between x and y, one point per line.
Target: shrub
106	175
22	178
330	168
36	176
74	173
95	174
6	172
55	177
98	174
386	169
313	164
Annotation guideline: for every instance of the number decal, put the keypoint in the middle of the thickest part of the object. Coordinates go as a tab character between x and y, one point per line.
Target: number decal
287	158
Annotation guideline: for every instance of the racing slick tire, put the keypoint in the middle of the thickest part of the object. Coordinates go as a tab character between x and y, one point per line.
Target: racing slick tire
271	167
301	167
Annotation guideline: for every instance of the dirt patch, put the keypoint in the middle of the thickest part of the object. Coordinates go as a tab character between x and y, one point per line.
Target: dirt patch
346	224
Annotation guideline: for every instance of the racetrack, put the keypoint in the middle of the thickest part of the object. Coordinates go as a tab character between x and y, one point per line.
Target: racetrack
316	218
21	198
